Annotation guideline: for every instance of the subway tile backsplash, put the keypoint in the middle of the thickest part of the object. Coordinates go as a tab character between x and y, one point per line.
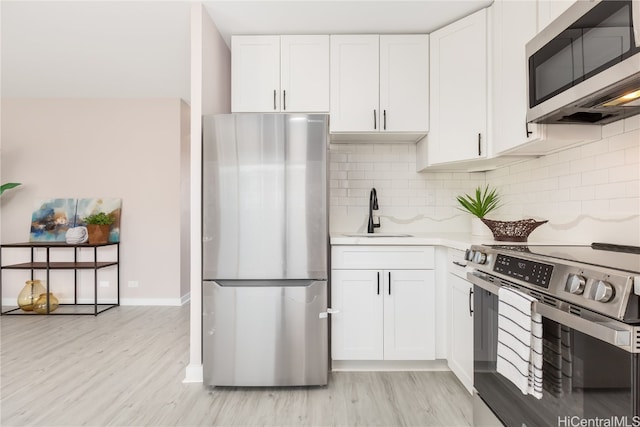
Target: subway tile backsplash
590	192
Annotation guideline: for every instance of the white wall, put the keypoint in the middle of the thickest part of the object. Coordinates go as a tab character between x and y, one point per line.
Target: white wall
589	193
408	201
95	49
124	148
210	94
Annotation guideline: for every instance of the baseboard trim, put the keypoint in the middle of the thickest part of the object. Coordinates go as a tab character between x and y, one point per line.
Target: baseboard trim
389	365
8	302
193	374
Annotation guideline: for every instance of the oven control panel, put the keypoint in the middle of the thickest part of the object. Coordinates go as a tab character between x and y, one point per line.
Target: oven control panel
528	271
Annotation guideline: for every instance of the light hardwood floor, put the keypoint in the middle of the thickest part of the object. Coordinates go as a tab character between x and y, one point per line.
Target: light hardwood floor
125	368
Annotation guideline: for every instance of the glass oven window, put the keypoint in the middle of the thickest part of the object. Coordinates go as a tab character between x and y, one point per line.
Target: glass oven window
582	376
601	38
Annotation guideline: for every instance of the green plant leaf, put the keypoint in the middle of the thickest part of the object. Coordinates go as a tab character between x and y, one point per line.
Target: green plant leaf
8	186
100	218
481	203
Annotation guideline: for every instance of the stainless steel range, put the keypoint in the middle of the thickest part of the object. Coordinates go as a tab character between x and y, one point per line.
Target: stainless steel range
588	297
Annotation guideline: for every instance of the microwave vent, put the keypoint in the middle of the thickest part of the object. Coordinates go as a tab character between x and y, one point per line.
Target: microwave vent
584	117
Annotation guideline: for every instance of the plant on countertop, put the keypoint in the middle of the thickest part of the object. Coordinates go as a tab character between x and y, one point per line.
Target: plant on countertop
8	186
484	202
100	218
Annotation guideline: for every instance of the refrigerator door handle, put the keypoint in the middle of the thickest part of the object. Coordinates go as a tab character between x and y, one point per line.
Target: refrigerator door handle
329	311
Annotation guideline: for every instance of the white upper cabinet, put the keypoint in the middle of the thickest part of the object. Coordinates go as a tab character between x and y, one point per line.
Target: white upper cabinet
404	83
514	24
304	73
458	107
548	10
280	73
354	83
255	73
380	84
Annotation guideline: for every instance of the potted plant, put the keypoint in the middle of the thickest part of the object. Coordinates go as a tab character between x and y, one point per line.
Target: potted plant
479	205
98	227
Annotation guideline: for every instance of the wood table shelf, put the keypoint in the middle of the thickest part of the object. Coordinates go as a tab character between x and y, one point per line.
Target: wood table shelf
32	265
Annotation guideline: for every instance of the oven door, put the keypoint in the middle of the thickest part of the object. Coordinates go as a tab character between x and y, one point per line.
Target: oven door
583	377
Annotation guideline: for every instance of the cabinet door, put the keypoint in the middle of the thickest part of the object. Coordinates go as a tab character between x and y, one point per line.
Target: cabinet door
404	83
548	10
514	24
458	84
304	73
255	73
356	331
354	83
461	337
409	315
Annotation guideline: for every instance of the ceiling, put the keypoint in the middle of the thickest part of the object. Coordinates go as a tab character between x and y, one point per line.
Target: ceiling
141	48
337	17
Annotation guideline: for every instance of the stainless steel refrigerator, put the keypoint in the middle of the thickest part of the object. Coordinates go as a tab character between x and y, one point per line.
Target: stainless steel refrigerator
265	250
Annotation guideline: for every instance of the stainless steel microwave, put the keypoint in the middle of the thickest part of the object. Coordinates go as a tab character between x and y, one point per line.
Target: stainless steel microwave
585	66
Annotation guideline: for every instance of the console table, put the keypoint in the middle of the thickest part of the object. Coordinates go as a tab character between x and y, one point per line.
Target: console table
74	308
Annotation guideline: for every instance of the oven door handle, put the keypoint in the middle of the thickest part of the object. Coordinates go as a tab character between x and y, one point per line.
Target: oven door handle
615	333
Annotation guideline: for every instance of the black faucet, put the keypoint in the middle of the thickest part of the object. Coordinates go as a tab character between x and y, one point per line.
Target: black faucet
373	206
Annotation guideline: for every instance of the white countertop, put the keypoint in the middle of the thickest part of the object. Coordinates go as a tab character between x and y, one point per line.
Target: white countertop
459	241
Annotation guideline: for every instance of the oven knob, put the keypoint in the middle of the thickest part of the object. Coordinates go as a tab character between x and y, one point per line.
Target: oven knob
604	291
479	257
575	284
468	255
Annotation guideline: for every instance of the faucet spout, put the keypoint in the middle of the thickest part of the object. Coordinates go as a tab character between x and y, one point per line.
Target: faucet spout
373	206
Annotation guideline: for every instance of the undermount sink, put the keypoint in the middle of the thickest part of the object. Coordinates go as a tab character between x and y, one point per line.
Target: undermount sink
378	235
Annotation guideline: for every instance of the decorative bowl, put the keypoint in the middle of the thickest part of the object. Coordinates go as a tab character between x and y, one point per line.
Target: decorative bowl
512	231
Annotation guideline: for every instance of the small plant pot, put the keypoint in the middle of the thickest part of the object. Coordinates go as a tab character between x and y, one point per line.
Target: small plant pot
98	233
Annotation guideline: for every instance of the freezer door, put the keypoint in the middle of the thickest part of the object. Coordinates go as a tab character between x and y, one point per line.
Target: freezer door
265	196
258	333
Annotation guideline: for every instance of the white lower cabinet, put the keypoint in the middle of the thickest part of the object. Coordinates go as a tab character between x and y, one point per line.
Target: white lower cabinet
461	336
384	312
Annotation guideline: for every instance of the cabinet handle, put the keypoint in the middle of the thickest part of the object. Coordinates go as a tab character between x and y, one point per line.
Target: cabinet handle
526	128
274	99
375	124
479	144
459	264
470	309
385	119
378	283
389	283
284	99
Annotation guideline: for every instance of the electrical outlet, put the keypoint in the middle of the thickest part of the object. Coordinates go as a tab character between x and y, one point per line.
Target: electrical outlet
133	283
104	283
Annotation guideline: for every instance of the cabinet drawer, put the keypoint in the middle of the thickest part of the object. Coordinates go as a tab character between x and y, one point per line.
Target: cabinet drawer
382	257
456	264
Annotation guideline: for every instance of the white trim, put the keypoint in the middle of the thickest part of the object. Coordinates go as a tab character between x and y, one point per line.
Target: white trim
193	374
10	302
390	365
185	298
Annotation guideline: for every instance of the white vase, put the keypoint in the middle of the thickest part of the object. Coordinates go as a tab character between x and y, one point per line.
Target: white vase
479	228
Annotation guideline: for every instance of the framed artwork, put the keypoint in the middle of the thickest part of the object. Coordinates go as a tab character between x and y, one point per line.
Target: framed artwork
51	218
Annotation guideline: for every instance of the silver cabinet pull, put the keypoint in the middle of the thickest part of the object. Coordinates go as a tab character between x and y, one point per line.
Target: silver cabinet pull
274	99
479	144
470	309
284	99
375	124
384	114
